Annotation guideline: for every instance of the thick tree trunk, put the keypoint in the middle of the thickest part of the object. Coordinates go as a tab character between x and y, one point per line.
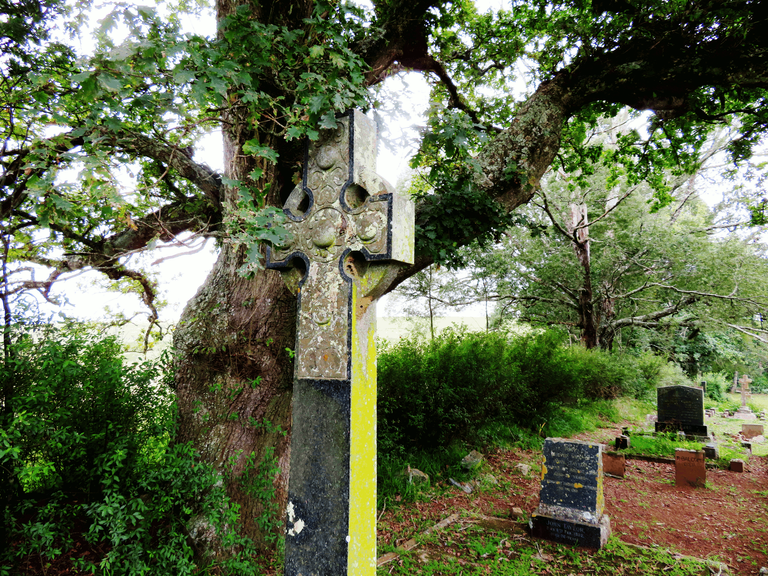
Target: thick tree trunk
235	370
234	379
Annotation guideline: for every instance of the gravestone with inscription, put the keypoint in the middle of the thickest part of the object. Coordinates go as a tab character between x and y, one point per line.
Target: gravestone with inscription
571	500
681	408
349	234
690	468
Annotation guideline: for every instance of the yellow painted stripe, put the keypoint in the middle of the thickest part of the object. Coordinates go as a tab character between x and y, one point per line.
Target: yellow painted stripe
361	559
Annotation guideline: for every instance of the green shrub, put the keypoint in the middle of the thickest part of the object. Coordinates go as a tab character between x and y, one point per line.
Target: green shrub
434	392
75	405
672	374
760	385
717	385
85	446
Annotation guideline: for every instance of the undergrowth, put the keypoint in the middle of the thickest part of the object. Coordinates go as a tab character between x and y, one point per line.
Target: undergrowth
441	398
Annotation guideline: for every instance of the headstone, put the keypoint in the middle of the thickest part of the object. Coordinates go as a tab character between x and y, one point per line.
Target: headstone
622	442
681	408
749	431
348	232
747	446
614	464
711	451
690	469
704	387
744	412
736	465
571	501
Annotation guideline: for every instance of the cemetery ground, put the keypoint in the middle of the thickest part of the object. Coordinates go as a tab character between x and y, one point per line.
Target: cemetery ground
657	528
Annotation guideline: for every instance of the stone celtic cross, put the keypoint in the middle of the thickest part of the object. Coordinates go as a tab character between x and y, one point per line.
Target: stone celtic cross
349	234
745	381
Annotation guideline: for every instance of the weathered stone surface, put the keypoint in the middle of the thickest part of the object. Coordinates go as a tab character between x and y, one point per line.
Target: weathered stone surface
571	531
517	513
571	500
472	460
711	451
416	476
622	442
614	464
572	476
748	446
690	468
524	469
751	430
681	408
736	465
348	229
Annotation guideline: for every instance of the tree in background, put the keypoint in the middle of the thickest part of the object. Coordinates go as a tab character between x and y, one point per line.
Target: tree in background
607	263
99	151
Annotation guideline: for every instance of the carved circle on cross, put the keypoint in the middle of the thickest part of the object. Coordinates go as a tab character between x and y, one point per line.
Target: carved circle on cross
326	229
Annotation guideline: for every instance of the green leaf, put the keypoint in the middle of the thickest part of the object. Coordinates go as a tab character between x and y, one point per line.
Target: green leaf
110	82
253	147
328	121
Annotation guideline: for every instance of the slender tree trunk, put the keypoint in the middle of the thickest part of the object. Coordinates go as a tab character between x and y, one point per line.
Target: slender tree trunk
7	479
588	318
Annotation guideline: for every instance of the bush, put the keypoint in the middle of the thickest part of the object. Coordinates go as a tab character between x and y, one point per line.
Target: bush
717	385
86	453
74	406
433	392
464	386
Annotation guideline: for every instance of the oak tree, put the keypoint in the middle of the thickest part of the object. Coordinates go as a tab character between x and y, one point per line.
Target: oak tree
78	126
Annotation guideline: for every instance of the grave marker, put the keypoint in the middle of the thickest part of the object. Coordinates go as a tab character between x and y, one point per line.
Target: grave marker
690	468
750	431
744	412
681	408
614	464
348	231
571	501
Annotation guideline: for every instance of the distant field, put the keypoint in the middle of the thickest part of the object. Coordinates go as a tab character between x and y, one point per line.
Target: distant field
393	328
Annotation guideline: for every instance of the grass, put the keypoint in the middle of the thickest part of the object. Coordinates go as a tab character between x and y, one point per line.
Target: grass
467	549
663	445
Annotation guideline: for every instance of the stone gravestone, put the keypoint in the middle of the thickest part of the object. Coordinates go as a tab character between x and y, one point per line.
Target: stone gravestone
348	232
690	468
744	412
750	431
571	500
681	408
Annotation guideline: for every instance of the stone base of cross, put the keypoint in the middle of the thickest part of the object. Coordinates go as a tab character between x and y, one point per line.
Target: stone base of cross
350	233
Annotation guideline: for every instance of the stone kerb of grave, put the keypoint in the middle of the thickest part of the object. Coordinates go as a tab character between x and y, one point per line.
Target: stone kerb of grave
681	408
571	501
690	468
349	235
